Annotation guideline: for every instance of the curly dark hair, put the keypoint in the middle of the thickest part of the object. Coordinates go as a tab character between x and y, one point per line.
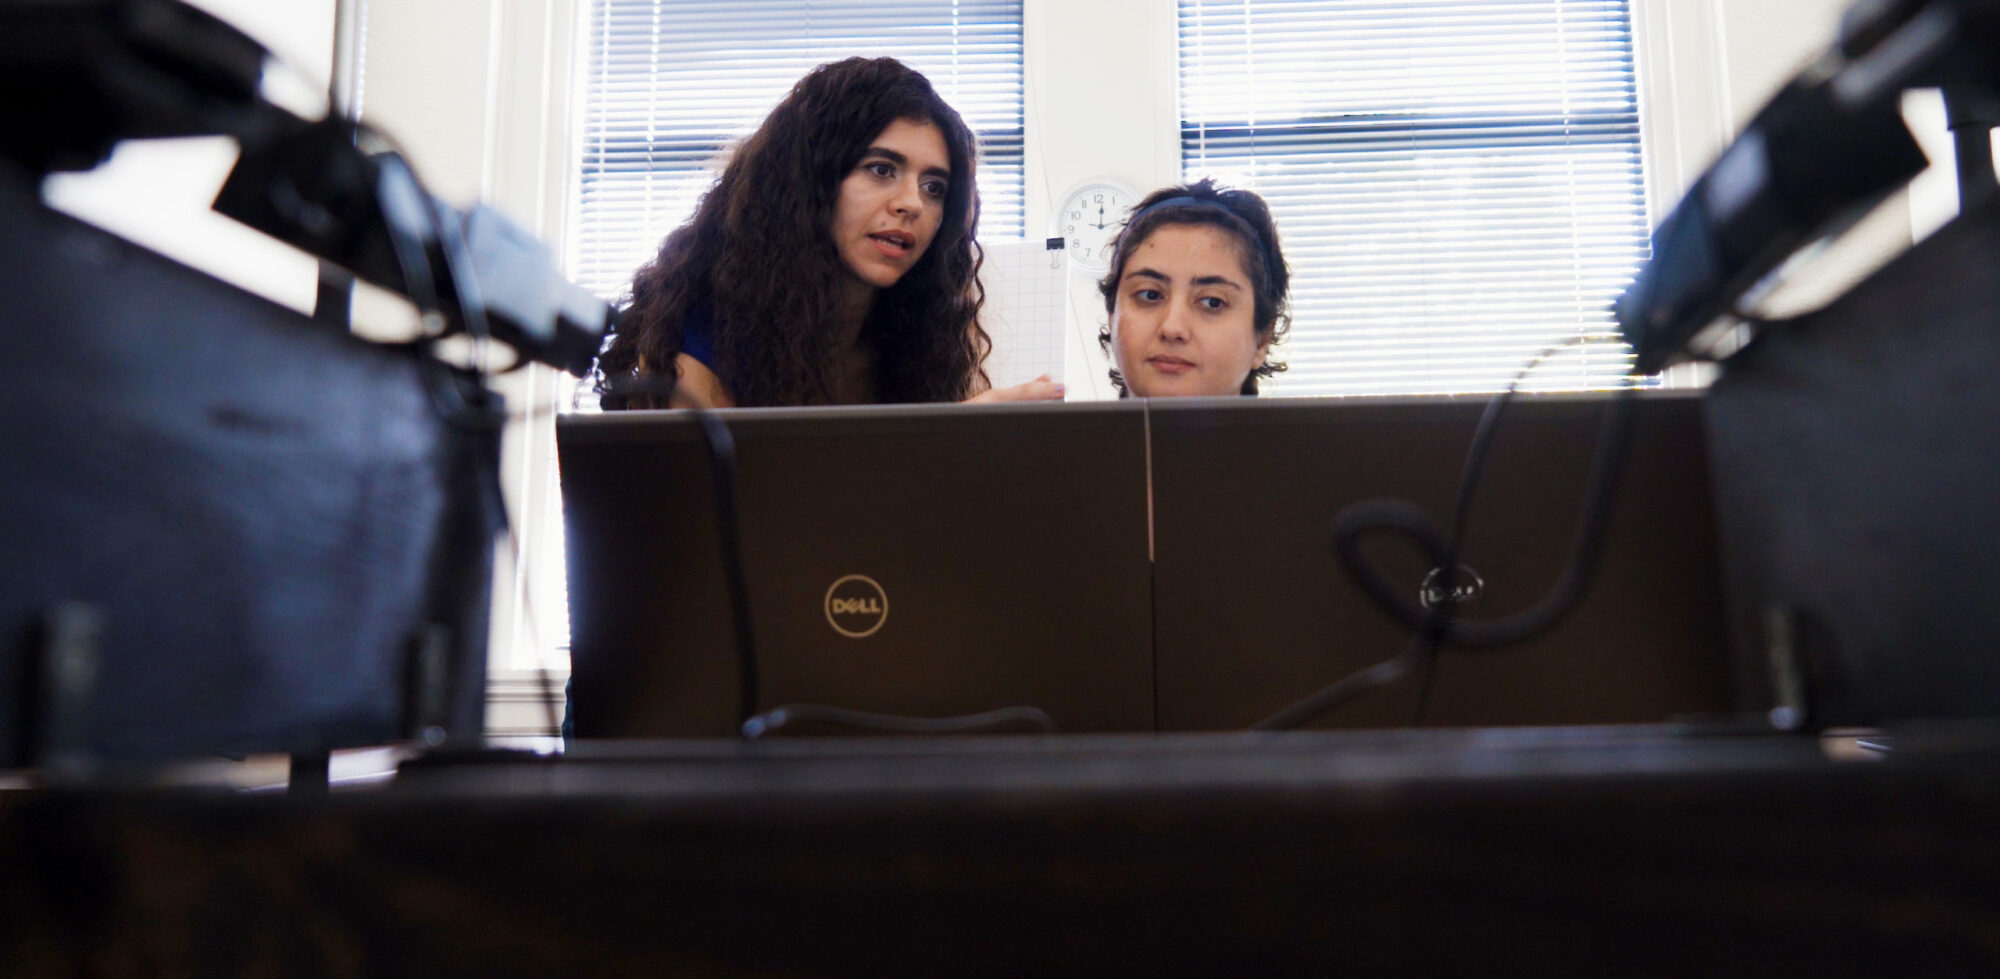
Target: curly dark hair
758	255
1247	219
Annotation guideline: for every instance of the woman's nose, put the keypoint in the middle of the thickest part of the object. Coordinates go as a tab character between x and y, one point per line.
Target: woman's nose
908	199
1174	323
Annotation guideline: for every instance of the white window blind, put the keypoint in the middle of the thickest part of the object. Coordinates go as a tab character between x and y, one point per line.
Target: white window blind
672	84
1456	183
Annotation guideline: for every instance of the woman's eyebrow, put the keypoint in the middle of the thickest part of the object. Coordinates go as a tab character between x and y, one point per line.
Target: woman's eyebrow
1199	280
902	161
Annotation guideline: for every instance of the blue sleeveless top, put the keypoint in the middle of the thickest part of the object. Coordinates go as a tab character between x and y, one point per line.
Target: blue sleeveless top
698	336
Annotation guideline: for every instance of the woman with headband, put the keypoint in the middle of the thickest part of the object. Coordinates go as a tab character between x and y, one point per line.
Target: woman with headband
1196	294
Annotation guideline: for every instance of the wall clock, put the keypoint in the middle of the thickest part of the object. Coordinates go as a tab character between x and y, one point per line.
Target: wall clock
1089	217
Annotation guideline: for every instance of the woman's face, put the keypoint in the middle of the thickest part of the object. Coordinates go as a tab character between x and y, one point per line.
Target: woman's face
1183	322
892	203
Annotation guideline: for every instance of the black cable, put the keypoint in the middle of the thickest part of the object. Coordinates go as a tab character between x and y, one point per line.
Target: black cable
775	720
722	458
421	288
1415	655
1351	524
1367	516
1435	625
458	265
471	308
444	386
410	257
468	406
482	408
476	413
1423	698
1468	481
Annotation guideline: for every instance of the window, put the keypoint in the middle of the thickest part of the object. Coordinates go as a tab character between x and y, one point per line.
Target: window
1457	183
670	85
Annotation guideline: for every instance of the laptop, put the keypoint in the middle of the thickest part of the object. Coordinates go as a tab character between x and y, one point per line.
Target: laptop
924	561
1254	611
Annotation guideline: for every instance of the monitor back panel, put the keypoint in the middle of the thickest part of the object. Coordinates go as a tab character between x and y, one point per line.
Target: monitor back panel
256	533
1255	612
1007	544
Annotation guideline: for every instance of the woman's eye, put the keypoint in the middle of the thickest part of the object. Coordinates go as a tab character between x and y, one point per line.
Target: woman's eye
1148	295
936	188
880	169
1212	302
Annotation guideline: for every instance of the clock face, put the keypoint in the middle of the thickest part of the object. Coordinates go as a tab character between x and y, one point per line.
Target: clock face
1089	217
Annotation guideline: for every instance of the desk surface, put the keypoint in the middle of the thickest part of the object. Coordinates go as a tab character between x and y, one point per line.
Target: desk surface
1648	851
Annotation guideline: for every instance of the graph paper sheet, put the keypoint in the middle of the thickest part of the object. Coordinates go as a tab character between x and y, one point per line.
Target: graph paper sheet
1027	300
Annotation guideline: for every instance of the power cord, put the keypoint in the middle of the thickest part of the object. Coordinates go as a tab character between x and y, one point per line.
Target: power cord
722	470
1435	626
447	387
777	719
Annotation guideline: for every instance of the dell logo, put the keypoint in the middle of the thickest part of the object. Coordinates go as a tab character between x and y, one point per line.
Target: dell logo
856	606
1467	589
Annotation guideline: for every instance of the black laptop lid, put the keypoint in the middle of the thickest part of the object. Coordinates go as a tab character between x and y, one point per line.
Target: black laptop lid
1005	546
1255	612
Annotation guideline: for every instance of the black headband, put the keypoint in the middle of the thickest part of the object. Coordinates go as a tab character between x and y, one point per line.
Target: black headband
1270	270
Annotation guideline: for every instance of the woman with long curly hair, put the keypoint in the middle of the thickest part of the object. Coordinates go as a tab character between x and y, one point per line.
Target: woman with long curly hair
832	262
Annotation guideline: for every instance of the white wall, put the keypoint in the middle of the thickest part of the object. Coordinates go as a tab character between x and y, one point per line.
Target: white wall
158	193
476	94
1081	57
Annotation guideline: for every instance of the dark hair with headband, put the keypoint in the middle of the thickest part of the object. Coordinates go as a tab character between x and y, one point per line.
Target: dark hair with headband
1247	220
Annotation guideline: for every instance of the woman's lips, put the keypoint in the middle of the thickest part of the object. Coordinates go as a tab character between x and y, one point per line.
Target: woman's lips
1170	365
893	245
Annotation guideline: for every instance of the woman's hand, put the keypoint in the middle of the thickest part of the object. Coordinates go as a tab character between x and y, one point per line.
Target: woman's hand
1039	389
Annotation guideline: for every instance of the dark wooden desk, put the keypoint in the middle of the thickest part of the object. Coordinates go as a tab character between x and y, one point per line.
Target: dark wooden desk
1637	851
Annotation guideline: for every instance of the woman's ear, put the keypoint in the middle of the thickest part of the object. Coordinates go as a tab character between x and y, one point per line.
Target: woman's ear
1263	354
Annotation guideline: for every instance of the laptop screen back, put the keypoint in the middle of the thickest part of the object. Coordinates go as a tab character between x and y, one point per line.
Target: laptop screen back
1254	610
920	561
